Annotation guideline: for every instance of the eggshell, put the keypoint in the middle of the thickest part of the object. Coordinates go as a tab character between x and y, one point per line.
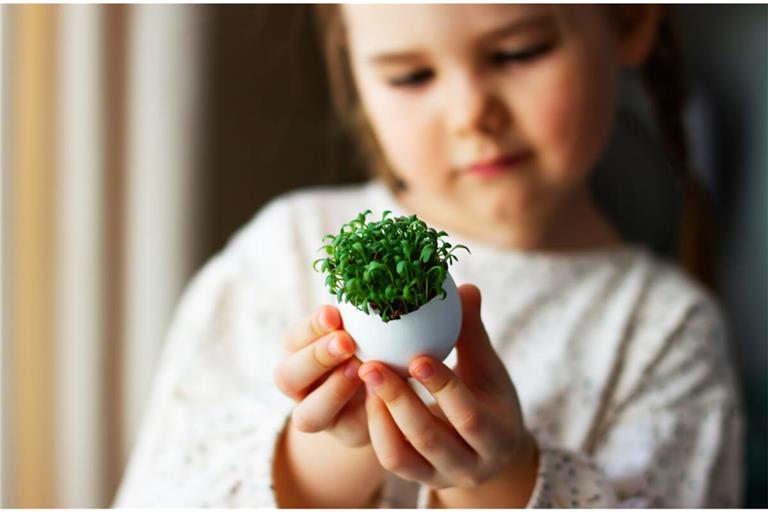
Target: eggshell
430	330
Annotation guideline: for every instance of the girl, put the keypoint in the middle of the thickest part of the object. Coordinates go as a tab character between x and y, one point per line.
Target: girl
594	374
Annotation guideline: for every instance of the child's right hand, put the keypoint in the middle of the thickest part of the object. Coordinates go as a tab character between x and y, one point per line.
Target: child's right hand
320	374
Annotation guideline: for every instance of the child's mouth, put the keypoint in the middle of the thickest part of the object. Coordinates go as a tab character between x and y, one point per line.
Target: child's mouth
498	165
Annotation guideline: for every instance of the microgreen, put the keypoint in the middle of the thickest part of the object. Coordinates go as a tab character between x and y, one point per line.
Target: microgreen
392	266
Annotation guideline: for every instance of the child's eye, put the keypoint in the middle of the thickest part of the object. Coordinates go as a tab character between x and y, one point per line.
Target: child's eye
412	79
521	56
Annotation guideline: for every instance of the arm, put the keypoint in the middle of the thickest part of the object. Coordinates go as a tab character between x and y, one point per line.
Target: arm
212	432
324	458
314	482
209	431
674	439
511	488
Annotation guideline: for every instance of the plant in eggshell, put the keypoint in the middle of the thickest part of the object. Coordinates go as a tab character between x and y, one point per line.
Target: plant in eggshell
396	297
390	267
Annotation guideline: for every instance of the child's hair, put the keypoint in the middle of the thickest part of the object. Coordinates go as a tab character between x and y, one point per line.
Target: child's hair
663	80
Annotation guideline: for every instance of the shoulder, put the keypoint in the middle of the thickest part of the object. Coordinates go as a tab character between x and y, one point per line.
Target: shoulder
289	219
675	299
268	259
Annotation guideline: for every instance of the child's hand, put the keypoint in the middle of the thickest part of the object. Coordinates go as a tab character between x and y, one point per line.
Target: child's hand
320	373
482	435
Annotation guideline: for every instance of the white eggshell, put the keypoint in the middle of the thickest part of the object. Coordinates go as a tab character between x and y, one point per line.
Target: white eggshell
430	330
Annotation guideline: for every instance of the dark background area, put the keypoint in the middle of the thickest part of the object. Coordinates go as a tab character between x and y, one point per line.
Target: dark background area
271	122
270	129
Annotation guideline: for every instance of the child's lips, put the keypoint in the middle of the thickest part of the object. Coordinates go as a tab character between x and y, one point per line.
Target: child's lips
499	164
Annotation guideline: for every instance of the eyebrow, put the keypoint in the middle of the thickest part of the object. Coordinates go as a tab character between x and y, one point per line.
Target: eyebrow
509	29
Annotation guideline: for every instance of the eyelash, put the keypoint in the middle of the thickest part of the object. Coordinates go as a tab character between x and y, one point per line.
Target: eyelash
522	56
412	79
418	78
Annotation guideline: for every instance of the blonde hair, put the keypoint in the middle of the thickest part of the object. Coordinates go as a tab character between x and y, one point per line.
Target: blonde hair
344	95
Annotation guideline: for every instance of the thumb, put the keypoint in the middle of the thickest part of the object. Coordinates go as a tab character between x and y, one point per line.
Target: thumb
477	359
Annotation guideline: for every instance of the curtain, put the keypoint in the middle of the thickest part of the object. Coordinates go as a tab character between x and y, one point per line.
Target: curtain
101	181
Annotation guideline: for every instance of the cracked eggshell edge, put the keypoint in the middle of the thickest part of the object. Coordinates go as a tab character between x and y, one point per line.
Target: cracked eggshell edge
430	330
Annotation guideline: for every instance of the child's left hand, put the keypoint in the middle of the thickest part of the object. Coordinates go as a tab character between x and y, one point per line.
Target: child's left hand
480	433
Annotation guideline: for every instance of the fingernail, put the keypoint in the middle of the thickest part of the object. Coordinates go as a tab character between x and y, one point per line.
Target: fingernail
424	371
373	378
324	321
369	390
334	346
351	370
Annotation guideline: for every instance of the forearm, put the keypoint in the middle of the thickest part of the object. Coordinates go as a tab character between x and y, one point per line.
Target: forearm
511	488
317	471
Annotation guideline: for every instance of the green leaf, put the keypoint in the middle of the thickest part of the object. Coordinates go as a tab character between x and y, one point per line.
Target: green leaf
395	263
426	253
461	247
374	265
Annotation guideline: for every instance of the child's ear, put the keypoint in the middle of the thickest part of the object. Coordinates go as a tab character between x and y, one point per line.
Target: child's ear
638	27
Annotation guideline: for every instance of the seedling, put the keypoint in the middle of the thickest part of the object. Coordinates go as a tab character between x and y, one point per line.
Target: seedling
390	267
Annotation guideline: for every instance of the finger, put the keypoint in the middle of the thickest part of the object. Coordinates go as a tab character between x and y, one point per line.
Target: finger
296	373
477	360
318	410
395	454
323	320
472	330
432	438
467	415
351	424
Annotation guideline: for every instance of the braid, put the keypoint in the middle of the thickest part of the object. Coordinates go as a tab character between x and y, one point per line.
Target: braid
665	83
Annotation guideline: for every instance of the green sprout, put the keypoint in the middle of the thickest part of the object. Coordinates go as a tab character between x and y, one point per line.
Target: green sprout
393	266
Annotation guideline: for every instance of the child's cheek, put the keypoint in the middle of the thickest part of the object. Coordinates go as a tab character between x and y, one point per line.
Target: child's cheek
570	119
409	138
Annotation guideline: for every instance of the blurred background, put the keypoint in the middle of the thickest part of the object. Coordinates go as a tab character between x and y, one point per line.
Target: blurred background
136	138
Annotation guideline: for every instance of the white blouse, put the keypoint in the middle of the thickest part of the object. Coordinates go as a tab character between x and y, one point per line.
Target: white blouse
619	359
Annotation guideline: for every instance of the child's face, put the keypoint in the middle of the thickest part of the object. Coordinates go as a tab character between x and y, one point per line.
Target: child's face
471	83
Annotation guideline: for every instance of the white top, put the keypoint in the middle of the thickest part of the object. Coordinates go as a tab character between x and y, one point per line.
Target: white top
620	362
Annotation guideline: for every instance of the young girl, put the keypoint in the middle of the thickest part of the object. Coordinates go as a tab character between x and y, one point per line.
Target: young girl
593	374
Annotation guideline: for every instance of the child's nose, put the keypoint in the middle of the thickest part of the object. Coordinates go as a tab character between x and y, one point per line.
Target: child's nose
474	106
